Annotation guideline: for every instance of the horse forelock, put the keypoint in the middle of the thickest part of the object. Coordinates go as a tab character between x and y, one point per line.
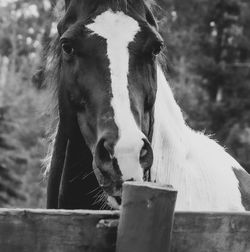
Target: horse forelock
91	6
51	60
117	4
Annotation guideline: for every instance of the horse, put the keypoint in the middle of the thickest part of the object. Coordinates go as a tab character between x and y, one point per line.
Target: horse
117	119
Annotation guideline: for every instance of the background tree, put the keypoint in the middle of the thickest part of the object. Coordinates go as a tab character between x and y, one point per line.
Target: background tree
21	130
225	72
208	45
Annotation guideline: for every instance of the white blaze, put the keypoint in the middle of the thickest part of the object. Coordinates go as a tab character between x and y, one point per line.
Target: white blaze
119	30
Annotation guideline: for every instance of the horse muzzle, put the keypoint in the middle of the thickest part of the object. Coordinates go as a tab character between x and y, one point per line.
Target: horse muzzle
131	164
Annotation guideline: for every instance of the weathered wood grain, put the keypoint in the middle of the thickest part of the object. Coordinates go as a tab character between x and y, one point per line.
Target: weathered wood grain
145	206
56	231
211	232
80	231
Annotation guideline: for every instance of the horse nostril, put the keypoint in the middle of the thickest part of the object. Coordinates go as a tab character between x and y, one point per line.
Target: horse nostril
146	155
118	199
109	148
104	151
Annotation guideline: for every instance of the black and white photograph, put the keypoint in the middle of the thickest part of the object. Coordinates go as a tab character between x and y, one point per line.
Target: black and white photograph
124	126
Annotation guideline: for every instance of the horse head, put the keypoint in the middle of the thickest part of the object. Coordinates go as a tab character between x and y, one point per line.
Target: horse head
108	82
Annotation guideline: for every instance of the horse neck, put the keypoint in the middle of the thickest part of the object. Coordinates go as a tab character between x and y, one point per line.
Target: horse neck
168	136
194	164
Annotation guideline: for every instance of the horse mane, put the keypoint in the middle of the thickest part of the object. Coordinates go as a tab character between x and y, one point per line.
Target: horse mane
52	62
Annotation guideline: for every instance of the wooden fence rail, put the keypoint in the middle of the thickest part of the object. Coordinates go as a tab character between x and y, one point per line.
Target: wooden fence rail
95	231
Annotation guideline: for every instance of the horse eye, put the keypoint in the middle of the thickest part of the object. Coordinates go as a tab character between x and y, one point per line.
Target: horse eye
157	47
67	48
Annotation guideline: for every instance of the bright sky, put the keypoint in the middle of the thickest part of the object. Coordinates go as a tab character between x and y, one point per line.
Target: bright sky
4	3
28	10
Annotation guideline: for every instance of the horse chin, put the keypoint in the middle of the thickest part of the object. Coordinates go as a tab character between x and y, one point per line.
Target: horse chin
114	198
114	202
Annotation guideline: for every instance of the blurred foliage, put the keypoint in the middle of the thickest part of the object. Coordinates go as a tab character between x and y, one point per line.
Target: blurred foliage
208	45
208	50
23	24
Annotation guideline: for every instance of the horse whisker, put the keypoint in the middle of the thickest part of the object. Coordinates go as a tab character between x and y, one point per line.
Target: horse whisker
76	177
100	198
94	190
82	173
87	175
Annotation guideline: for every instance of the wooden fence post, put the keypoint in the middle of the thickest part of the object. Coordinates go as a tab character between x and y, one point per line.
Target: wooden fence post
146	218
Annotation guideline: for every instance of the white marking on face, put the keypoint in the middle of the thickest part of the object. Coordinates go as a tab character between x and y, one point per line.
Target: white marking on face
119	30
